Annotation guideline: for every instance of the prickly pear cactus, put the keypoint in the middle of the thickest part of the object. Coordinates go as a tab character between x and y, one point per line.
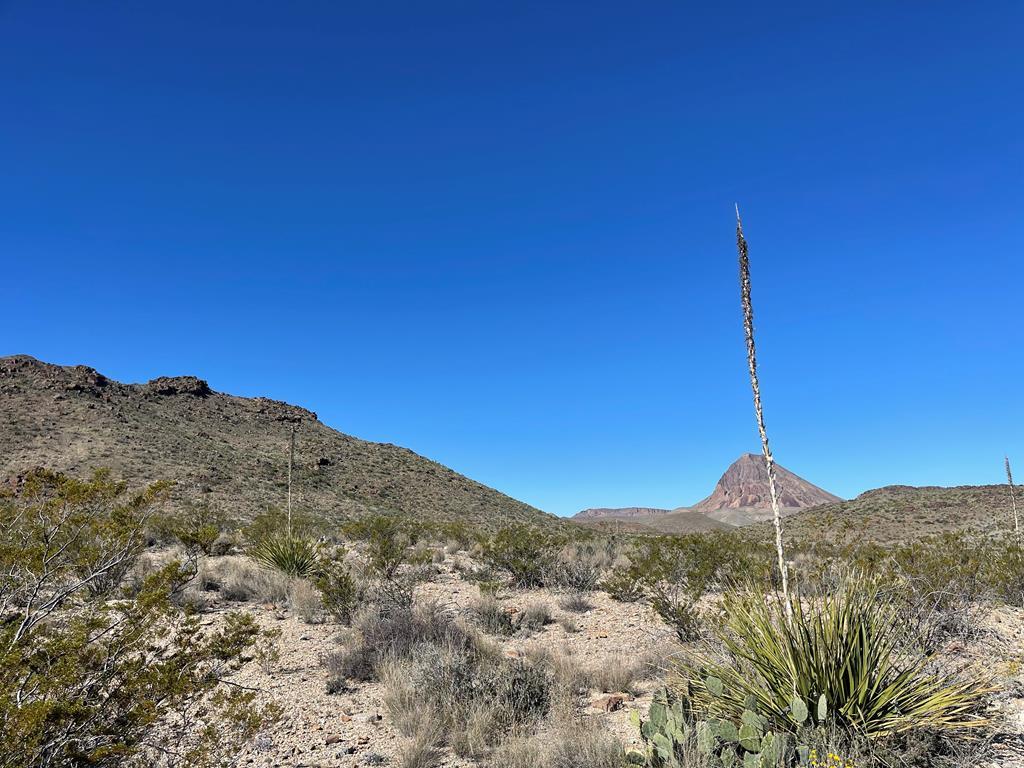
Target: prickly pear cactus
746	744
664	733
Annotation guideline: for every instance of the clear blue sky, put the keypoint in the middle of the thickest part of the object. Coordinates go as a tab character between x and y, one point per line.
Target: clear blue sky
501	234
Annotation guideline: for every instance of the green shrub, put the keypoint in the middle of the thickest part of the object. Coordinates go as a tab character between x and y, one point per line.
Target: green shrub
526	553
850	650
341	592
388	541
289	555
86	674
274	522
623	585
197	527
674	572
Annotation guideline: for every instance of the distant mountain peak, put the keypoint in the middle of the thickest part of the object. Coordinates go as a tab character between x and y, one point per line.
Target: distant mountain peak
742	494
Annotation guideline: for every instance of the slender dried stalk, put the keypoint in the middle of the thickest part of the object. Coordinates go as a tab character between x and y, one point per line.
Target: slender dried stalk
291	461
1013	501
748	328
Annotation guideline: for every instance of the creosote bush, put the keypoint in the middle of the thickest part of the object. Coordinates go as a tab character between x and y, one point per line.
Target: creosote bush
675	572
90	675
528	554
388	541
340	590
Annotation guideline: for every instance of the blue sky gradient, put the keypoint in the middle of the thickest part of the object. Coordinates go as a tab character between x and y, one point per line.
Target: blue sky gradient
502	234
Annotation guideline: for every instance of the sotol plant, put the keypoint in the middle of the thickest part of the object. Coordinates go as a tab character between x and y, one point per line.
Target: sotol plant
292	556
853	647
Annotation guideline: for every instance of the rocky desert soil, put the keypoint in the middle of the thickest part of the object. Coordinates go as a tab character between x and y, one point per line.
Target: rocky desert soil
353	728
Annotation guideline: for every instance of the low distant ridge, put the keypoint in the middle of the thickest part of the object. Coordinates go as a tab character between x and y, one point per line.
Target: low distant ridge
228	451
604	513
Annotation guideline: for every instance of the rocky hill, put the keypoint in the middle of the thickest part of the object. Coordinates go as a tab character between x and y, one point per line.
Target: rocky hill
741	495
231	452
902	513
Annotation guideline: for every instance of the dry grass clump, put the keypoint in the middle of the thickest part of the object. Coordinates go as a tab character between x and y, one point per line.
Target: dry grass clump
243	581
443	688
383	632
576	602
421	750
613	674
491	616
566	745
535	616
305	601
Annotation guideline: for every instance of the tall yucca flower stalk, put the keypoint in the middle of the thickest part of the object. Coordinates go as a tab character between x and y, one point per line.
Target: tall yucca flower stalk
748	328
1013	501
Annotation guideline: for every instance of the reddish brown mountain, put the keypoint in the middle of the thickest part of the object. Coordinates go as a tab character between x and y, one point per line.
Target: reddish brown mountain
742	497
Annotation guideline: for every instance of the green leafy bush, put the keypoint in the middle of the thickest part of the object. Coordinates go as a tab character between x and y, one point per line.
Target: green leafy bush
674	572
526	553
340	590
87	676
388	541
197	527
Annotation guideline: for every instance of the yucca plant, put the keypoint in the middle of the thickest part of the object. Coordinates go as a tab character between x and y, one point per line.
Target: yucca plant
849	655
291	555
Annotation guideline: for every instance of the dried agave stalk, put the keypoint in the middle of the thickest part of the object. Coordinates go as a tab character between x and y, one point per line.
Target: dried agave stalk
291	461
1013	501
748	328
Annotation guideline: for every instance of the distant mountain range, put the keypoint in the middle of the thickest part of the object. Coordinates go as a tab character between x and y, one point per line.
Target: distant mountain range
227	451
740	497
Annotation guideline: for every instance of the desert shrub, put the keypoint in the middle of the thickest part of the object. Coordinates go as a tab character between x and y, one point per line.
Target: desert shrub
242	580
576	571
526	553
274	523
443	681
576	602
1005	572
568	623
197	527
535	616
224	544
491	616
379	632
850	649
623	585
86	677
388	540
674	572
290	555
305	601
340	590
